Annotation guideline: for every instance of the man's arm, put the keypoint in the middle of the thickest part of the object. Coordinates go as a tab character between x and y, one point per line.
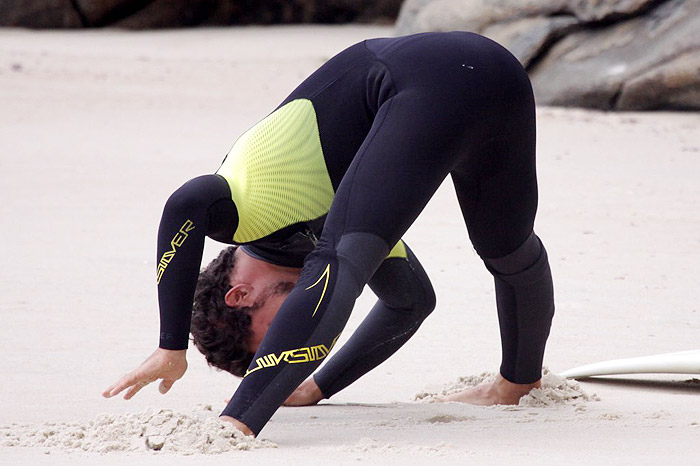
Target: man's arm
201	207
406	298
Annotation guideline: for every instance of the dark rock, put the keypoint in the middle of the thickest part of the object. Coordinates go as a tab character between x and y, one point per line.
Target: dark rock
142	14
380	11
97	13
180	13
39	14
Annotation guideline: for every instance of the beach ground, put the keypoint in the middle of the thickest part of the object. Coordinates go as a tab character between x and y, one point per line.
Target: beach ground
97	128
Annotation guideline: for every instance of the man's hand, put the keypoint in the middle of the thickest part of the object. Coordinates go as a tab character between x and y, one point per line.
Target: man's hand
306	394
167	365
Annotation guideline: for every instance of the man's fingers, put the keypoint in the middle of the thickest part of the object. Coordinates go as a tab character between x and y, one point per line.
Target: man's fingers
108	392
132	383
119	385
127	381
134	389
165	385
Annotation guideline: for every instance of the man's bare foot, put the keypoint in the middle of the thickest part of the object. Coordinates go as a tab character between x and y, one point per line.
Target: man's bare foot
306	394
498	392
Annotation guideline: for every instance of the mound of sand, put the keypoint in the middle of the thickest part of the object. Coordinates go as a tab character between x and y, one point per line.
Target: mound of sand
157	430
555	390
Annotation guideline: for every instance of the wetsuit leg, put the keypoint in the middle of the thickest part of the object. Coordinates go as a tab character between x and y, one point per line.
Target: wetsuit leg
525	301
406	298
497	192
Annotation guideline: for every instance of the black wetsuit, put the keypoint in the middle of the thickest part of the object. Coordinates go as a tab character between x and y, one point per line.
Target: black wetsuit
394	117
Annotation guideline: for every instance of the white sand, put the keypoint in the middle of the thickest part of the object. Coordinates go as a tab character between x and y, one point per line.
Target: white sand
97	128
157	430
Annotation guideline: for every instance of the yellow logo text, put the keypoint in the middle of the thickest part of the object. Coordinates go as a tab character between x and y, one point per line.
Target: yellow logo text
326	273
293	356
177	241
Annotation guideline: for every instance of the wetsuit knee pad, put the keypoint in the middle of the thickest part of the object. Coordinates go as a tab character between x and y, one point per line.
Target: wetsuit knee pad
363	253
525	299
518	260
401	283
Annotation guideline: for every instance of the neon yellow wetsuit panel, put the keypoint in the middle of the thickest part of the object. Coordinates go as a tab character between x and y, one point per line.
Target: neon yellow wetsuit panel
277	173
399	250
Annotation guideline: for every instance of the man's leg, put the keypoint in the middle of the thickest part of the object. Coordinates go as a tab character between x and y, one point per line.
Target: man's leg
498	197
406	298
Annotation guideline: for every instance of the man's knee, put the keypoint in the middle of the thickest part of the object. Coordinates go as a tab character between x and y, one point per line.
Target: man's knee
401	283
526	274
520	260
418	297
410	293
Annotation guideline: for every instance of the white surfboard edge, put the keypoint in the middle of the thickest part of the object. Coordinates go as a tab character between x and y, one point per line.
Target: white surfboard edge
684	362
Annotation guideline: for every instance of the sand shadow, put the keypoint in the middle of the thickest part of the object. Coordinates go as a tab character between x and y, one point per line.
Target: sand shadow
329	404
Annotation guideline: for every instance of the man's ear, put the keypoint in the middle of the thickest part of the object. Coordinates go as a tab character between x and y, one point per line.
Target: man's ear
239	296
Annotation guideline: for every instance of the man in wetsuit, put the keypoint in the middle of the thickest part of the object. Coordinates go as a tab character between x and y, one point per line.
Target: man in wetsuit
351	157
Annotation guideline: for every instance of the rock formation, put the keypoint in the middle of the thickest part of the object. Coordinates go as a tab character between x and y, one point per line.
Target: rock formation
623	55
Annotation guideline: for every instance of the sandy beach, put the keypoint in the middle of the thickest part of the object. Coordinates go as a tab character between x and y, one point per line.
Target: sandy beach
97	128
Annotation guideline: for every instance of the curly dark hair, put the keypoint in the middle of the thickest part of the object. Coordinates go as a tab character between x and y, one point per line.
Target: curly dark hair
219	331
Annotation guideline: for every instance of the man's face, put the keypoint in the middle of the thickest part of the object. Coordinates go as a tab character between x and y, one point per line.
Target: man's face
265	311
261	286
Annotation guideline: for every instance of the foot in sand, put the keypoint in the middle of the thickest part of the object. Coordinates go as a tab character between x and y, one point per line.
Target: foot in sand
496	392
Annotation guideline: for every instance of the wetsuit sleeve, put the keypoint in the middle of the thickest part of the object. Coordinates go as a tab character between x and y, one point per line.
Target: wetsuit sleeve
406	298
201	207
